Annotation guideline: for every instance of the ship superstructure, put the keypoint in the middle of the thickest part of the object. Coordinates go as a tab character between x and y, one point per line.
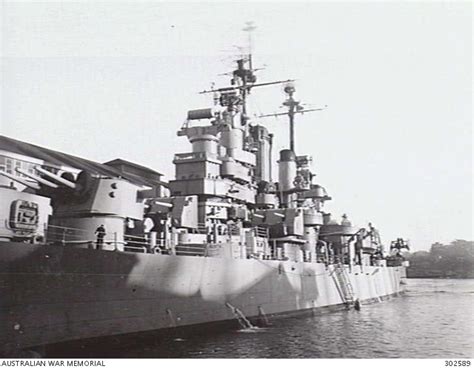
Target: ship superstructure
125	256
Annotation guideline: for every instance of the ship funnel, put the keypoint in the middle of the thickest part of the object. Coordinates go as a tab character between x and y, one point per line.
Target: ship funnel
287	170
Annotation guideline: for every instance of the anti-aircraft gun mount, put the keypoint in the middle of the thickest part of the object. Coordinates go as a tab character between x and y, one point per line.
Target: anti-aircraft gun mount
396	257
398	245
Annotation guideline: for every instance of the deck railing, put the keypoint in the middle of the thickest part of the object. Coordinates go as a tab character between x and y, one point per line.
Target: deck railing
60	235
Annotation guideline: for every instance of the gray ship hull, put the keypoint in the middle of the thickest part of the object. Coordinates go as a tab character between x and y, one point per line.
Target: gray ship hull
51	294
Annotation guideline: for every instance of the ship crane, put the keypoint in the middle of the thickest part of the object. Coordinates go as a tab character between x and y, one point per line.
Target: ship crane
294	107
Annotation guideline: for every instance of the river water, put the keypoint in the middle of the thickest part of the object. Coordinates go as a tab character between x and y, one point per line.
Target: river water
433	319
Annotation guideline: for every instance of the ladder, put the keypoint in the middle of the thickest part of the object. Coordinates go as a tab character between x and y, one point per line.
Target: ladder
343	284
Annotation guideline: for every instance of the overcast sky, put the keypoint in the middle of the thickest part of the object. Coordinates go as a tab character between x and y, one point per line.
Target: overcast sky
104	80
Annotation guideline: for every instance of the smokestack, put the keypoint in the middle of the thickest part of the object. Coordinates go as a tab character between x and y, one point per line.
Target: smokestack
287	170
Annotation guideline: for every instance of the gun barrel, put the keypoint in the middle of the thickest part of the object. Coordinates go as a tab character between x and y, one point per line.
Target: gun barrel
16	179
56	177
165	204
37	178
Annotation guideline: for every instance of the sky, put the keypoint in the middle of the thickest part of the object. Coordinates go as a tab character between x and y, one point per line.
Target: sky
103	80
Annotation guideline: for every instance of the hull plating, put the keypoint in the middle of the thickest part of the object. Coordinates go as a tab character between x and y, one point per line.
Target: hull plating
52	294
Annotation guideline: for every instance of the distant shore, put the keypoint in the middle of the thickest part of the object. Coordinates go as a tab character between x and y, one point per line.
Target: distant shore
453	261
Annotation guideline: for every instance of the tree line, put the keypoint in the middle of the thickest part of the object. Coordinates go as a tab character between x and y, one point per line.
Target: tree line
455	260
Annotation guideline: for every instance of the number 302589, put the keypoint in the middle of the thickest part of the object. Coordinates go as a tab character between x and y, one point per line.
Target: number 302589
457	363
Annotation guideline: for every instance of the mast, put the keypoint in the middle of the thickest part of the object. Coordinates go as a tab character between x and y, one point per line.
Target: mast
250	27
242	81
294	107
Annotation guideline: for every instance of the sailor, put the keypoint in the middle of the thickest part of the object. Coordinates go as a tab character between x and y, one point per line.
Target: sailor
359	244
129	224
148	225
129	230
100	232
345	221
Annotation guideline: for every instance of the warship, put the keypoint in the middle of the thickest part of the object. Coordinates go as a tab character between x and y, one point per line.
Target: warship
91	250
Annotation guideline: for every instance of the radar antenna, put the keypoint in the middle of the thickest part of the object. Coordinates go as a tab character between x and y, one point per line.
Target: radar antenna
294	107
242	81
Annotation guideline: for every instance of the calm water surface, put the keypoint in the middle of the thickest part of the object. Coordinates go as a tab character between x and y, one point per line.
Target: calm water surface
433	319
